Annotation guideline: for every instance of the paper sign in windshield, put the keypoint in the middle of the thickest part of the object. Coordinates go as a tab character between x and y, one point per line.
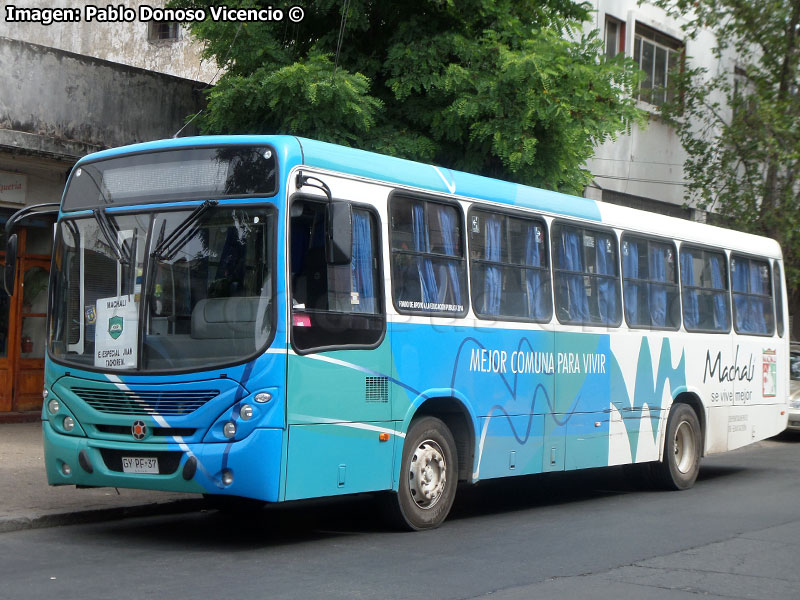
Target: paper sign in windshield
116	333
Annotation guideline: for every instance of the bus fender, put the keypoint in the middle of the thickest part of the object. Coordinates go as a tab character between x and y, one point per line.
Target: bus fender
439	402
687	395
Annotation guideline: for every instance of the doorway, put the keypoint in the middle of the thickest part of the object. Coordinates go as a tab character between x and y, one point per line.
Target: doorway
23	322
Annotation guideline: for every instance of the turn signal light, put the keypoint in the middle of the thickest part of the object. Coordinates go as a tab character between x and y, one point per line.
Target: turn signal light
384	437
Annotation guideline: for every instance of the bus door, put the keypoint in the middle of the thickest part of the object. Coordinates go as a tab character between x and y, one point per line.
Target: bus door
338	372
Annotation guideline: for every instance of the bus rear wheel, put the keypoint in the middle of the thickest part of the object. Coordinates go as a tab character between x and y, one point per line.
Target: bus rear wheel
682	449
428	476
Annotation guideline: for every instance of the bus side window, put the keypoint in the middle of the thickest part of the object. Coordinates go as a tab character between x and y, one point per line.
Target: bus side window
334	305
586	276
751	286
778	295
706	302
428	264
509	267
650	283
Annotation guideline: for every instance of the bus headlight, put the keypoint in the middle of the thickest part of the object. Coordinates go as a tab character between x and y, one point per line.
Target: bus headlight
54	406
229	430
246	412
68	423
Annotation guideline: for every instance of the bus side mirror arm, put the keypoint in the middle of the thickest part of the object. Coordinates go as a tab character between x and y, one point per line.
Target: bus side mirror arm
10	270
338	223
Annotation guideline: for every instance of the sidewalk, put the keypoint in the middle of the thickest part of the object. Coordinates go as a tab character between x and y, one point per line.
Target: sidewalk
26	501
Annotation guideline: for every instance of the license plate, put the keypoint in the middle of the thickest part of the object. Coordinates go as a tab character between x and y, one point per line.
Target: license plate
141	464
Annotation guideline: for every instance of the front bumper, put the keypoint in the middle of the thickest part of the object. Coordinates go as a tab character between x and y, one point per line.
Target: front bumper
254	462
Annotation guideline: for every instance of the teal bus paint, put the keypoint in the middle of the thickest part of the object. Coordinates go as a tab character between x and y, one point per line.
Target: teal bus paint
279	318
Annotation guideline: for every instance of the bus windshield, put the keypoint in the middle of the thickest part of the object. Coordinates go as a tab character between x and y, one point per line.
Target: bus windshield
173	175
183	289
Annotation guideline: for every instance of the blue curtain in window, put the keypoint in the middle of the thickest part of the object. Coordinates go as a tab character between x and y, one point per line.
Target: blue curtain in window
720	306
538	300
430	292
758	306
606	288
741	274
574	293
749	310
630	268
657	261
691	309
361	264
447	221
492	283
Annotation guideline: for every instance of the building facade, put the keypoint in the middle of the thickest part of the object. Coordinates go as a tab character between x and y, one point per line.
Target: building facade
70	89
645	169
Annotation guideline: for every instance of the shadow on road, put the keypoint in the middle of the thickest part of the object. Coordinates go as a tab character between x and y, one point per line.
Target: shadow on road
247	527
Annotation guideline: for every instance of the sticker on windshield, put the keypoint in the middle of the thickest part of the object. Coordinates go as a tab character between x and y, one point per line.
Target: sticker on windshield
116	334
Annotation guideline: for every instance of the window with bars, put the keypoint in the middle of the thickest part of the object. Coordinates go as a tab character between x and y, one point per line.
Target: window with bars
163	31
660	57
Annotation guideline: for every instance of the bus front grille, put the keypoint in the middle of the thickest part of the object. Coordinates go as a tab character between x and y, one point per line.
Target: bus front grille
127	402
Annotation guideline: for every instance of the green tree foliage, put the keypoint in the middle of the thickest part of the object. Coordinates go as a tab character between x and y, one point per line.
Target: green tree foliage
508	89
741	129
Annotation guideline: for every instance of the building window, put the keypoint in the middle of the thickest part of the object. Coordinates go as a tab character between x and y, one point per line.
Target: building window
659	56
615	37
157	31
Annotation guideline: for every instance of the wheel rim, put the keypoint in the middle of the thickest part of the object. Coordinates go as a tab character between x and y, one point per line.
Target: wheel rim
684	446
427	474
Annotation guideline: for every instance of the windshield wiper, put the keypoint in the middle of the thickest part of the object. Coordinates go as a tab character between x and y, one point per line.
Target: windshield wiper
109	231
168	246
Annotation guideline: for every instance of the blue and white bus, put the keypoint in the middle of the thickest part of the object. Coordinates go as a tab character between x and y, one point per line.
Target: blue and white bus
279	318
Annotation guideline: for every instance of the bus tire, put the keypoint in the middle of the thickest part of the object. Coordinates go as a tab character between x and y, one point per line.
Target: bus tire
682	449
428	477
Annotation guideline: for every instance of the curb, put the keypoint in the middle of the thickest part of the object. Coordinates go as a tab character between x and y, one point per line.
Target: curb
11	524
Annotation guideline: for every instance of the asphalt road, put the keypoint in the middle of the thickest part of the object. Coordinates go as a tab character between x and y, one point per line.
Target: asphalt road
736	534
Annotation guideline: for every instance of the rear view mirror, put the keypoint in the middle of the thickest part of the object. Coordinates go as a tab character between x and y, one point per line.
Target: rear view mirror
10	270
49	208
339	239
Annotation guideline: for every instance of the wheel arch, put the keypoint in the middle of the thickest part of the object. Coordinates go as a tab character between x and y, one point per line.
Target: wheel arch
694	402
455	413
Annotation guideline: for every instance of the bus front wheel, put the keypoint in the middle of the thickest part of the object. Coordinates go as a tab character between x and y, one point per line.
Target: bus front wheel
682	450
428	476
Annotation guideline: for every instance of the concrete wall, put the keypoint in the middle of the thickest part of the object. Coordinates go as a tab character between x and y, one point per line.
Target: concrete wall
649	162
55	102
126	42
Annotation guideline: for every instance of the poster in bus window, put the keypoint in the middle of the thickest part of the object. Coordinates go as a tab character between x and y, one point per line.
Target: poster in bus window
116	332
